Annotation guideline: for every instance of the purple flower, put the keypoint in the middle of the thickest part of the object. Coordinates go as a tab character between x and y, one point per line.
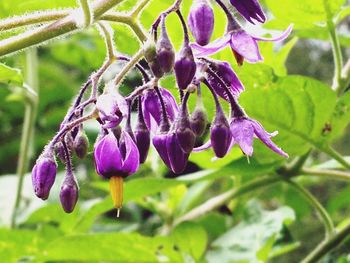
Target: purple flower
243	45
165	51
245	129
69	193
116	158
224	71
201	21
185	67
152	109
250	9
43	175
142	136
112	109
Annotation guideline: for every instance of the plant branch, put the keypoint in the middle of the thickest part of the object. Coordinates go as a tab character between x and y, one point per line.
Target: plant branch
336	156
58	28
321	211
326	246
326	173
88	18
107	34
221	199
138	8
28	128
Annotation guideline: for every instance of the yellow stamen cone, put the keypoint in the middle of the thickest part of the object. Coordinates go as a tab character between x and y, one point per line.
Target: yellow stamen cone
116	188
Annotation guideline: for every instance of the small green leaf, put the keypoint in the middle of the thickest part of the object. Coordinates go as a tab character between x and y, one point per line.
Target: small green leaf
10	75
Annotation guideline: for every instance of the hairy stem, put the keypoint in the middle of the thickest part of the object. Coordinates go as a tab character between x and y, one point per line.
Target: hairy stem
138	8
61	27
28	127
87	12
107	33
333	174
321	211
328	245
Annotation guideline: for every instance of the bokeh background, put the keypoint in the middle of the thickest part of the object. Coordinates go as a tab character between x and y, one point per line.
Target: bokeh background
274	224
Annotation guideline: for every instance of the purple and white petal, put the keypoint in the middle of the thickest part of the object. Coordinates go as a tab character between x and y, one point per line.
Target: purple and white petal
281	37
131	161
203	147
243	134
246	46
211	48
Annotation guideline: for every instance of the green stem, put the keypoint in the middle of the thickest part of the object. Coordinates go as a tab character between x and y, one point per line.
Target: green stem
323	214
55	29
221	199
107	34
326	173
336	156
137	10
337	55
87	12
326	246
28	127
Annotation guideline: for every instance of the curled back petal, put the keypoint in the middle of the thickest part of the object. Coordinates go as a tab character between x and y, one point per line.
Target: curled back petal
281	37
246	46
212	47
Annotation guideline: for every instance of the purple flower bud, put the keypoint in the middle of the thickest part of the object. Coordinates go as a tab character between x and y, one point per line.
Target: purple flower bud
142	136
165	51
185	67
220	134
152	109
159	142
81	144
250	9
113	160
156	69
224	71
43	175
201	21
177	157
69	194
199	121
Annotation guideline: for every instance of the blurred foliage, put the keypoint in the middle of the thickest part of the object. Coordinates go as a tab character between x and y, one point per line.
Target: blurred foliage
270	225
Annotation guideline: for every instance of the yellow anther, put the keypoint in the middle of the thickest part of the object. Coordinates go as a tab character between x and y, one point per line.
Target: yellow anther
116	188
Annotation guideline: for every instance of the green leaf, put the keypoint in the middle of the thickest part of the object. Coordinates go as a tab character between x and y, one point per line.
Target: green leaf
297	107
341	116
116	247
252	239
10	75
303	12
191	239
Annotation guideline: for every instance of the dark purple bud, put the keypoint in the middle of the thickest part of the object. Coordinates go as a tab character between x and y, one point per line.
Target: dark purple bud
201	21
60	153
159	142
165	51
199	121
69	194
177	157
81	144
156	69
220	134
250	9
185	67
149	50
142	136
43	175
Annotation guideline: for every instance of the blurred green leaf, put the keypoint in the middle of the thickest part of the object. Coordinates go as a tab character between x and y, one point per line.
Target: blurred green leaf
341	116
10	75
253	238
191	239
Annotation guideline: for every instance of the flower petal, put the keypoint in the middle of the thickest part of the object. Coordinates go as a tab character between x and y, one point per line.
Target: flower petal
264	136
131	161
281	37
243	134
246	46
212	47
203	147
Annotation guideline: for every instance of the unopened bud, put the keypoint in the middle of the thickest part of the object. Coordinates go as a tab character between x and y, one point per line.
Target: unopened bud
185	67
81	144
69	194
149	50
165	51
220	135
199	121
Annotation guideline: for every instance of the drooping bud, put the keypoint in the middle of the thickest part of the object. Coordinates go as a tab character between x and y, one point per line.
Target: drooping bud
177	157
159	141
220	134
185	67
81	144
156	69
199	121
142	135
165	50
43	175
201	21
69	193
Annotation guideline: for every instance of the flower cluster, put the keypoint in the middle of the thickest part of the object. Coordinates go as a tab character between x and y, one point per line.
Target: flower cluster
161	121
